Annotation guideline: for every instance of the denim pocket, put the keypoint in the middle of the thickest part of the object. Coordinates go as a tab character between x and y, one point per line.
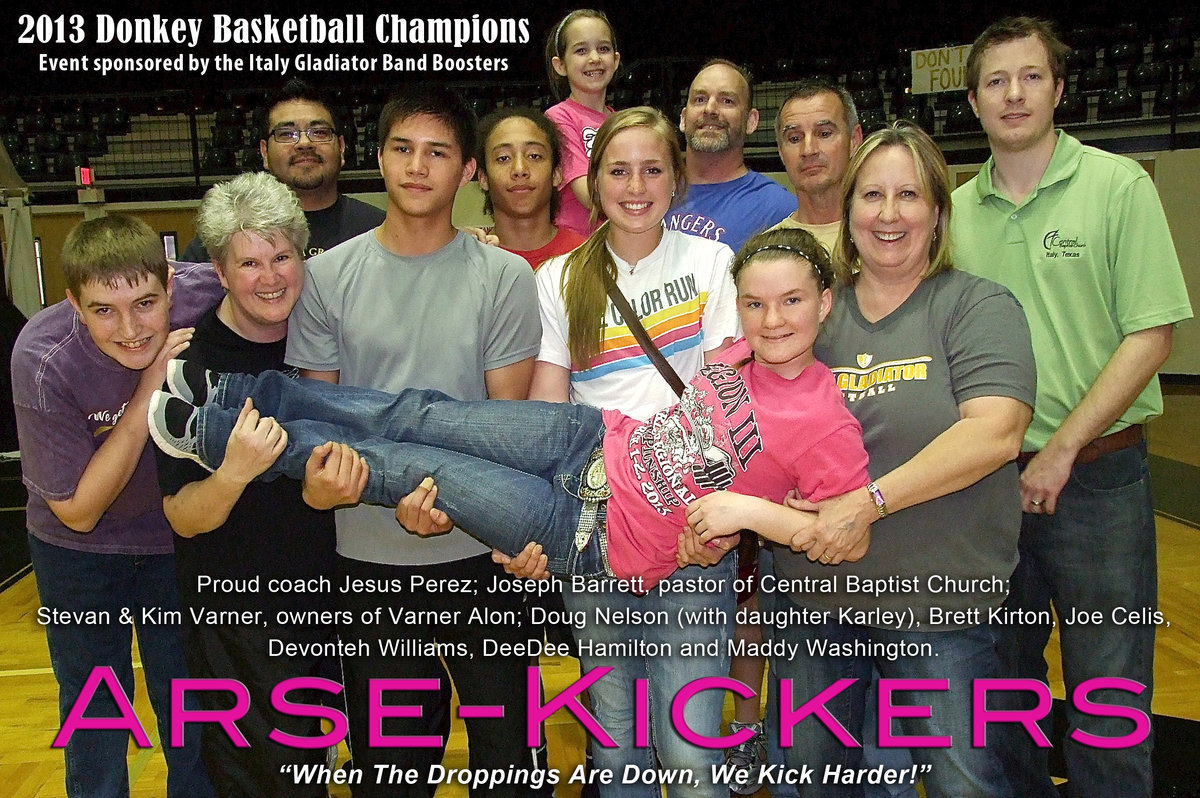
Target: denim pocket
1113	472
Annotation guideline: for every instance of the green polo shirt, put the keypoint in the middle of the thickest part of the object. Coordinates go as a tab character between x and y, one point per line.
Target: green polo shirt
1089	256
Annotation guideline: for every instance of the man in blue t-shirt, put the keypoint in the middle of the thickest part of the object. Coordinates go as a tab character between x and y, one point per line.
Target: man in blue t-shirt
725	201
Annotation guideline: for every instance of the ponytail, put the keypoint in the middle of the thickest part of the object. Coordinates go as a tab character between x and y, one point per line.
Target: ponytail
585	296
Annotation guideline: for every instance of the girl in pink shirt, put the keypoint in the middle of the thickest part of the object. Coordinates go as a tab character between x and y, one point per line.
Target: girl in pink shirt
581	59
605	494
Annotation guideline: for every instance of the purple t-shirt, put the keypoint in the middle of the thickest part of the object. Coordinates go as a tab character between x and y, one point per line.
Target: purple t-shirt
68	395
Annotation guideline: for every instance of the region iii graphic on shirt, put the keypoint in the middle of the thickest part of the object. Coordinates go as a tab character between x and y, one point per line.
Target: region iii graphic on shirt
701	442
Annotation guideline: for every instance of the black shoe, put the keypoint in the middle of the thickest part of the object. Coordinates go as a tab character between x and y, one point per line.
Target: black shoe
191	382
589	789
173	426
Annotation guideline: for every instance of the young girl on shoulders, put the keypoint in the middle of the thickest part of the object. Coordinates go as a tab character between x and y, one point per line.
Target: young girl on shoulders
581	59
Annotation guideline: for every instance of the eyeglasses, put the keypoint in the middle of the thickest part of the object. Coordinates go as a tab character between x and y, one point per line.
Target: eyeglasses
291	135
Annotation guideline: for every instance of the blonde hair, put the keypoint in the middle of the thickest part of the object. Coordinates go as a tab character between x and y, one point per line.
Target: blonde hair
583	289
935	182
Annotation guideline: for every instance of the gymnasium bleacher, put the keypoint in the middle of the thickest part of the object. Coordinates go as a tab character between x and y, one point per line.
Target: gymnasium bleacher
1124	81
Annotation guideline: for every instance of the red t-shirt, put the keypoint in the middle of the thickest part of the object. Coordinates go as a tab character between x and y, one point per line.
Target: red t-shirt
563	242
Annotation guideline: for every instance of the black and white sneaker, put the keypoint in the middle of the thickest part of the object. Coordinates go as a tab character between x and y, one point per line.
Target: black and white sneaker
191	382
173	426
747	759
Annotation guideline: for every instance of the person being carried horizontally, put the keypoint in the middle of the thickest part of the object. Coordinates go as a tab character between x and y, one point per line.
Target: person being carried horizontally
764	420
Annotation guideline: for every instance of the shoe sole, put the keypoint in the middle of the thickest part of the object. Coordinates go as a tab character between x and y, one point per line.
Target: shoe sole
169	446
177	384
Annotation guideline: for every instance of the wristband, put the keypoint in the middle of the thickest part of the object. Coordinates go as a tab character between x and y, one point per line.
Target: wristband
877	497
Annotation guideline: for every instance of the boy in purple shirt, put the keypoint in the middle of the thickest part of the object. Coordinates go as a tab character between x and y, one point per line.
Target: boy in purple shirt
83	373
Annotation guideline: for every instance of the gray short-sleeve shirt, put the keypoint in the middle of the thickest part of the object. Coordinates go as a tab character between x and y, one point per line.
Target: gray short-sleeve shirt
390	322
957	337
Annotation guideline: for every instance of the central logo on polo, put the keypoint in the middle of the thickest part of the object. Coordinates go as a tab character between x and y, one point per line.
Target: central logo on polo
864	360
1057	245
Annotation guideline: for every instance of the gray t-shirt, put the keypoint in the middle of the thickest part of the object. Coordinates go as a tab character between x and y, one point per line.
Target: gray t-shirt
390	322
956	338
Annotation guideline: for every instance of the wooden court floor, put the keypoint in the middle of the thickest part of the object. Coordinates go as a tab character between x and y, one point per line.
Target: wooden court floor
29	768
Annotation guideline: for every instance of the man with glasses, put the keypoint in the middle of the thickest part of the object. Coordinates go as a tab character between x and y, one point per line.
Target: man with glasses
303	148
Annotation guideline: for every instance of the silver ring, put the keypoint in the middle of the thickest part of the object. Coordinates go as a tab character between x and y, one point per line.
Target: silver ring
1036	502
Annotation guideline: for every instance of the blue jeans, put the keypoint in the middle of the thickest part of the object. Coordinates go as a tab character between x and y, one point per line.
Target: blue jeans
79	581
507	472
494	744
767	604
895	759
1096	553
890	758
613	696
961	771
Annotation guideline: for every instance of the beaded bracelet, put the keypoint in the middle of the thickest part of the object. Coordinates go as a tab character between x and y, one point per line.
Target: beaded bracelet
877	497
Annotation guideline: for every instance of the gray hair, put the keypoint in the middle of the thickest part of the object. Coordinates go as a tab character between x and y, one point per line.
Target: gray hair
254	202
813	87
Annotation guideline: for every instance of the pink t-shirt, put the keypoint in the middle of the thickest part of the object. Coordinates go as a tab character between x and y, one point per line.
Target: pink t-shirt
578	125
748	430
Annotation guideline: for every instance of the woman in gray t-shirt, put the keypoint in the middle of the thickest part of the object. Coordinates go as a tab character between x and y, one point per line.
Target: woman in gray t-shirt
937	367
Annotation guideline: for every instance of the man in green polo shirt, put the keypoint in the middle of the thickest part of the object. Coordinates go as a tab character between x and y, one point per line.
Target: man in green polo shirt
1080	238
